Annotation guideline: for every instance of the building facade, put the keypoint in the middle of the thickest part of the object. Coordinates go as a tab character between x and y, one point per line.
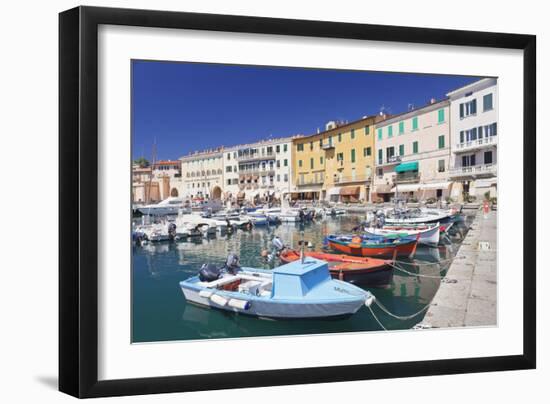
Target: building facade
336	164
168	174
474	128
202	175
413	154
259	170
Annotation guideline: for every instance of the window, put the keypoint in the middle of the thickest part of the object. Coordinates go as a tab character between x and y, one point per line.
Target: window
441	166
353	155
300	147
229	182
380	160
415	123
380	172
488	102
278	148
415	147
469	161
311	162
390	131
285	162
310	145
320	142
367	130
468	108
278	177
321	160
441	141
390	152
299	163
380	134
229	156
340	157
488	157
285	148
401	149
286	177
228	169
278	163
366	151
491	130
339	137
441	116
401	127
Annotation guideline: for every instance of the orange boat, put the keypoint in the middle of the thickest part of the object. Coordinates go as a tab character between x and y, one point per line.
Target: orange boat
376	247
361	270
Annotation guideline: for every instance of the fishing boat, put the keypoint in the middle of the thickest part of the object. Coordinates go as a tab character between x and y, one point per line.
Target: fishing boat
302	289
428	233
361	270
367	246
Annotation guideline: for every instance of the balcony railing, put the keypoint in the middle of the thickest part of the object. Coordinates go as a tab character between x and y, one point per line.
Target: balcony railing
257	172
409	176
310	181
390	160
328	146
256	157
353	178
474	171
476	144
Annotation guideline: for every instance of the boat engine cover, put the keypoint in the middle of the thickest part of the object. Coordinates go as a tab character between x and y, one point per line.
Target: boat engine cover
209	273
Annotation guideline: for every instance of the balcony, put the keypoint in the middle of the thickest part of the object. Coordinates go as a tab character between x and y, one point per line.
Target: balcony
328	146
406	177
310	181
256	157
476	144
352	179
482	170
257	172
390	161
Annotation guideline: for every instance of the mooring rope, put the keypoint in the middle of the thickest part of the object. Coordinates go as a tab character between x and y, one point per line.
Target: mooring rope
415	274
376	318
404	318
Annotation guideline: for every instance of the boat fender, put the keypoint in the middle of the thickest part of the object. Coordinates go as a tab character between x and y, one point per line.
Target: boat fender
239	304
219	300
369	300
206	293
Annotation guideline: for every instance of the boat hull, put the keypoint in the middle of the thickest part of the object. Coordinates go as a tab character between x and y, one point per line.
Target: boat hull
428	236
364	250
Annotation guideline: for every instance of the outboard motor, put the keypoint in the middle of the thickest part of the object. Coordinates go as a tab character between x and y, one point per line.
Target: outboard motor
232	264
381	220
209	273
278	243
172	230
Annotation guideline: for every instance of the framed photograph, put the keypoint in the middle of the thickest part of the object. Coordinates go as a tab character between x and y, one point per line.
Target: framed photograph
251	201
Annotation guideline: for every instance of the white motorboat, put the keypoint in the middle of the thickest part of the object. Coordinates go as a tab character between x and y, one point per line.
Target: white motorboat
169	206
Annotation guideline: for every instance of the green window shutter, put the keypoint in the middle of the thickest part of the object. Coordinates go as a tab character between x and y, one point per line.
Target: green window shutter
285	148
380	156
415	123
401	127
401	149
390	131
367	130
321	160
339	137
415	147
441	141
441	116
286	163
353	155
368	151
353	133
380	134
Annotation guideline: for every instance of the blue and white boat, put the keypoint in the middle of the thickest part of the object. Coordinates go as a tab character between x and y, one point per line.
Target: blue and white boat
300	289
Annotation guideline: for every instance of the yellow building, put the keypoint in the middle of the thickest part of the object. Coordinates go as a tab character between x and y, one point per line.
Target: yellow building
336	164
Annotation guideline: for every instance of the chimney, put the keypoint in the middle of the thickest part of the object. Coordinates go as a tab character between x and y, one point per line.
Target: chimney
432	100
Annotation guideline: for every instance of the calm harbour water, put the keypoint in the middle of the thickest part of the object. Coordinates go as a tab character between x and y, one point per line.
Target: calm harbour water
160	312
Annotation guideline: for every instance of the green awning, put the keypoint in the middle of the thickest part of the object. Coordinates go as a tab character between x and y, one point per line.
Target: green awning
410	166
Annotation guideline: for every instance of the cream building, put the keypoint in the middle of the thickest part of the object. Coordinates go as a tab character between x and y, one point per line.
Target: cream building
412	154
474	118
202	174
258	170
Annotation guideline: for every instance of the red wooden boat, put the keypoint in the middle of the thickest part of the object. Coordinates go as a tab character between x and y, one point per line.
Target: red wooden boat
361	270
373	248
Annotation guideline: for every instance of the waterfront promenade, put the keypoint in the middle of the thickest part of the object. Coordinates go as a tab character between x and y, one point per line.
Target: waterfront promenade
467	296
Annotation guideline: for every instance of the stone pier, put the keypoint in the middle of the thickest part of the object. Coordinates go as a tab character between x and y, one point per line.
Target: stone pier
468	294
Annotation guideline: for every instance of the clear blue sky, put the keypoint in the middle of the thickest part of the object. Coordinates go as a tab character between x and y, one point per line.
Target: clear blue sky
189	106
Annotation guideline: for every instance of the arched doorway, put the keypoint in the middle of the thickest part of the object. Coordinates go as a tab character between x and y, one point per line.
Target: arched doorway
174	192
216	192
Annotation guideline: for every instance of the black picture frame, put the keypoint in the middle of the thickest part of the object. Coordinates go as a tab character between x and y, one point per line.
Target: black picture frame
78	200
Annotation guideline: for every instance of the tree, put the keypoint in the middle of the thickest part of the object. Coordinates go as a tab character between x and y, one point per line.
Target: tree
142	162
